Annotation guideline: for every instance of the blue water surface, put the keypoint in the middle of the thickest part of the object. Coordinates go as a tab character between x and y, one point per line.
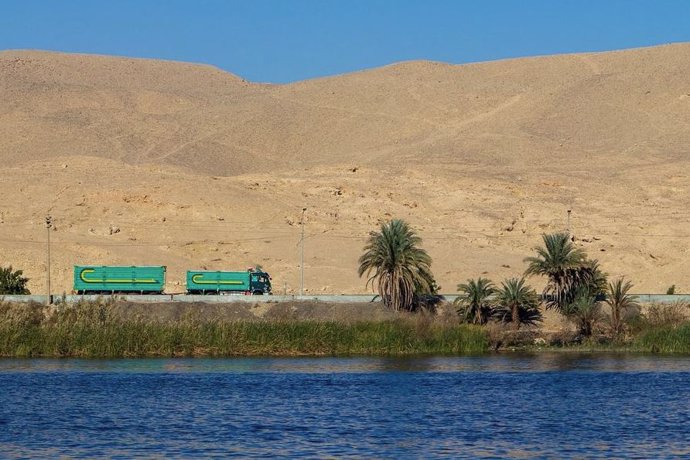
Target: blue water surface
528	406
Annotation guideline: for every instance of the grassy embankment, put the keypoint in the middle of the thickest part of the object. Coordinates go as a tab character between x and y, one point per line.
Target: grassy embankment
655	328
665	339
90	330
662	328
668	339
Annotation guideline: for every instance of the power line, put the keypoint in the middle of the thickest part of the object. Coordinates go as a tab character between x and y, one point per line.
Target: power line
608	222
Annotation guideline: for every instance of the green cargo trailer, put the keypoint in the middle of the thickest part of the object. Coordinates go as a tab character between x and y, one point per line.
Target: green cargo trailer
91	279
220	282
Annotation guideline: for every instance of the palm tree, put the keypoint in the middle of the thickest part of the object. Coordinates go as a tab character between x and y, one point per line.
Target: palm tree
565	266
427	297
517	303
584	310
619	300
592	278
475	302
397	265
13	282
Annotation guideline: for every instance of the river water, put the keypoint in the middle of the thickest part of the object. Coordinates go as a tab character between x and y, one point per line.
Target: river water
544	405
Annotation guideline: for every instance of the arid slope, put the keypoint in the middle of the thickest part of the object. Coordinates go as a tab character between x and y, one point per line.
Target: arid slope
142	161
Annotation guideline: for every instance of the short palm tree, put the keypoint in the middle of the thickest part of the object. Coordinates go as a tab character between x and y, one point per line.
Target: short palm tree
393	260
475	301
563	265
517	303
584	310
620	301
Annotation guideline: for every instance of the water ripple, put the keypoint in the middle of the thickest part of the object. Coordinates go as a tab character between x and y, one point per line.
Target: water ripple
520	406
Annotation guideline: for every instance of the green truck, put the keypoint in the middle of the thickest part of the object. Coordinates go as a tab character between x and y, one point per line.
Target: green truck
250	282
92	279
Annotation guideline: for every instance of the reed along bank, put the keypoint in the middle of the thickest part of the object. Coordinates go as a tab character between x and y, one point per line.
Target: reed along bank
108	330
112	329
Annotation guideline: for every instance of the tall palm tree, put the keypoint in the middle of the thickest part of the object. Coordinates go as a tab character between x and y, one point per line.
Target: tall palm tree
517	303
400	269
564	266
619	299
475	301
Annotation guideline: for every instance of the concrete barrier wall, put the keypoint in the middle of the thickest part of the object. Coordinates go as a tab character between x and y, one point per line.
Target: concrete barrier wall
357	298
193	298
662	298
128	298
24	298
272	298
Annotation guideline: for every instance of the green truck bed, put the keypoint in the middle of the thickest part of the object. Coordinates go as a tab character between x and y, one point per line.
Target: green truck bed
91	279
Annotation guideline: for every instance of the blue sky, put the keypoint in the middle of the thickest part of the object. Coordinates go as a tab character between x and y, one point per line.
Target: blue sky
283	40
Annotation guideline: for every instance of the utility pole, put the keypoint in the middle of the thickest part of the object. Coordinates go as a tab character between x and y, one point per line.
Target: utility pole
301	263
568	227
49	225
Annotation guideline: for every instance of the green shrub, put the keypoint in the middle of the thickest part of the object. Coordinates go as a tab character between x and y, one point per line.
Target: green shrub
13	282
665	339
666	314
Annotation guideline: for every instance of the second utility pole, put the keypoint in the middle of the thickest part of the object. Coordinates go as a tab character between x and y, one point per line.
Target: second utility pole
49	224
301	263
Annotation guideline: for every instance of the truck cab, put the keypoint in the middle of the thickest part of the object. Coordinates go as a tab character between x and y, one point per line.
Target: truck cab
260	283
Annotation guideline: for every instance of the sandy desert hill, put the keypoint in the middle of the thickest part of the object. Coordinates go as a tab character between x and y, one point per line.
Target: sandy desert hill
152	162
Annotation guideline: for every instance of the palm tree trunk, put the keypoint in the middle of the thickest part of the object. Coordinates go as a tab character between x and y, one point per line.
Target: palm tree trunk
586	328
516	317
615	320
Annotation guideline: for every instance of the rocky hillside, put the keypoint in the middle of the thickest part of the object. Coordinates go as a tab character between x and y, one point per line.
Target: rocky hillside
142	161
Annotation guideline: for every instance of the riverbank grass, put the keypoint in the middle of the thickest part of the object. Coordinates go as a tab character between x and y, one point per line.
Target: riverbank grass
95	330
665	339
91	331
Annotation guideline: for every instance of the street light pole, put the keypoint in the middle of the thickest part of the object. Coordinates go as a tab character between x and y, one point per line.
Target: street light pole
301	263
49	225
